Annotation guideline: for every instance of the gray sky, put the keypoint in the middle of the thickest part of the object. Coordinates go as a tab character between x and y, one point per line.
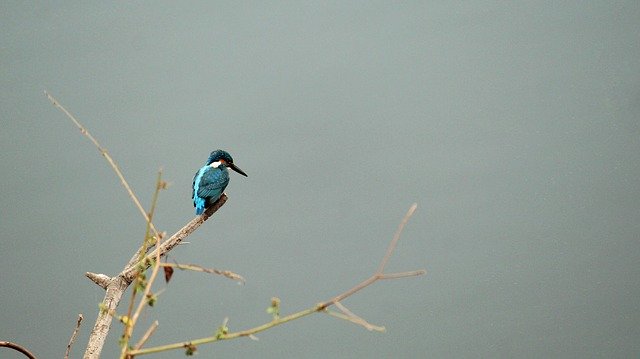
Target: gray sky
515	127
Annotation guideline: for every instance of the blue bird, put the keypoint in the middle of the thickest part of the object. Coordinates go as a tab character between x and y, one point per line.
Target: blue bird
211	180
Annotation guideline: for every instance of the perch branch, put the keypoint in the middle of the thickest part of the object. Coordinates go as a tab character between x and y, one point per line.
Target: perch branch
130	271
118	284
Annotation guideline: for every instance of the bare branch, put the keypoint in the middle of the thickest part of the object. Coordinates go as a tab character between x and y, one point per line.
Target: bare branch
18	348
118	284
321	307
116	287
73	336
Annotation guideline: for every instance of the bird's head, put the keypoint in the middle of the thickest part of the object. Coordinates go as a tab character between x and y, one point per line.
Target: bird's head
220	157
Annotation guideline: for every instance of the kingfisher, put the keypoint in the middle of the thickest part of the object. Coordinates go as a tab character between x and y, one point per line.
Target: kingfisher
211	180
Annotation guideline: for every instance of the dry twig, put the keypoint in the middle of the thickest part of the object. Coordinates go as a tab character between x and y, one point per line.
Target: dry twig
105	154
73	336
197	268
146	335
18	348
350	316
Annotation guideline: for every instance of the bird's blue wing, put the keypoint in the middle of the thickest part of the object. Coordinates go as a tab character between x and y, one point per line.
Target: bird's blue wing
199	203
212	183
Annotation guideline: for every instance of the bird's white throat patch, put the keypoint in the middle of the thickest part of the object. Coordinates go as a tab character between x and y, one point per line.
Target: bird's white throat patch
215	164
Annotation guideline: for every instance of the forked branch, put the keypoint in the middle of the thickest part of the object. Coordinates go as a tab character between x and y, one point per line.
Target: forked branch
346	314
117	285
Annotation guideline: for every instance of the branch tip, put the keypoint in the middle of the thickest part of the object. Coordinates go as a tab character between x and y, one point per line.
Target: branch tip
396	238
99	279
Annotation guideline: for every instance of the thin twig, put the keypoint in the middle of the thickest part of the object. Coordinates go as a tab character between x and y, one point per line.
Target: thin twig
146	335
197	268
350	316
19	348
106	155
379	273
396	238
73	336
412	273
321	307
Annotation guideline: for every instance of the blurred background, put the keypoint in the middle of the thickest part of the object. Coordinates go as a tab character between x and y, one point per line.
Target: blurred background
514	126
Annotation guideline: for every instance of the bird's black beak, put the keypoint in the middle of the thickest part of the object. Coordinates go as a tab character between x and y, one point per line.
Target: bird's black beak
237	169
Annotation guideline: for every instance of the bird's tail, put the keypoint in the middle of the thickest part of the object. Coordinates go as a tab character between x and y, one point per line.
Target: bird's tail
200	204
199	210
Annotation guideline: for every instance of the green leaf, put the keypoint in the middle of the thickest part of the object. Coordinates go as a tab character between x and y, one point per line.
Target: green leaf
152	299
151	262
122	341
140	286
222	331
103	307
